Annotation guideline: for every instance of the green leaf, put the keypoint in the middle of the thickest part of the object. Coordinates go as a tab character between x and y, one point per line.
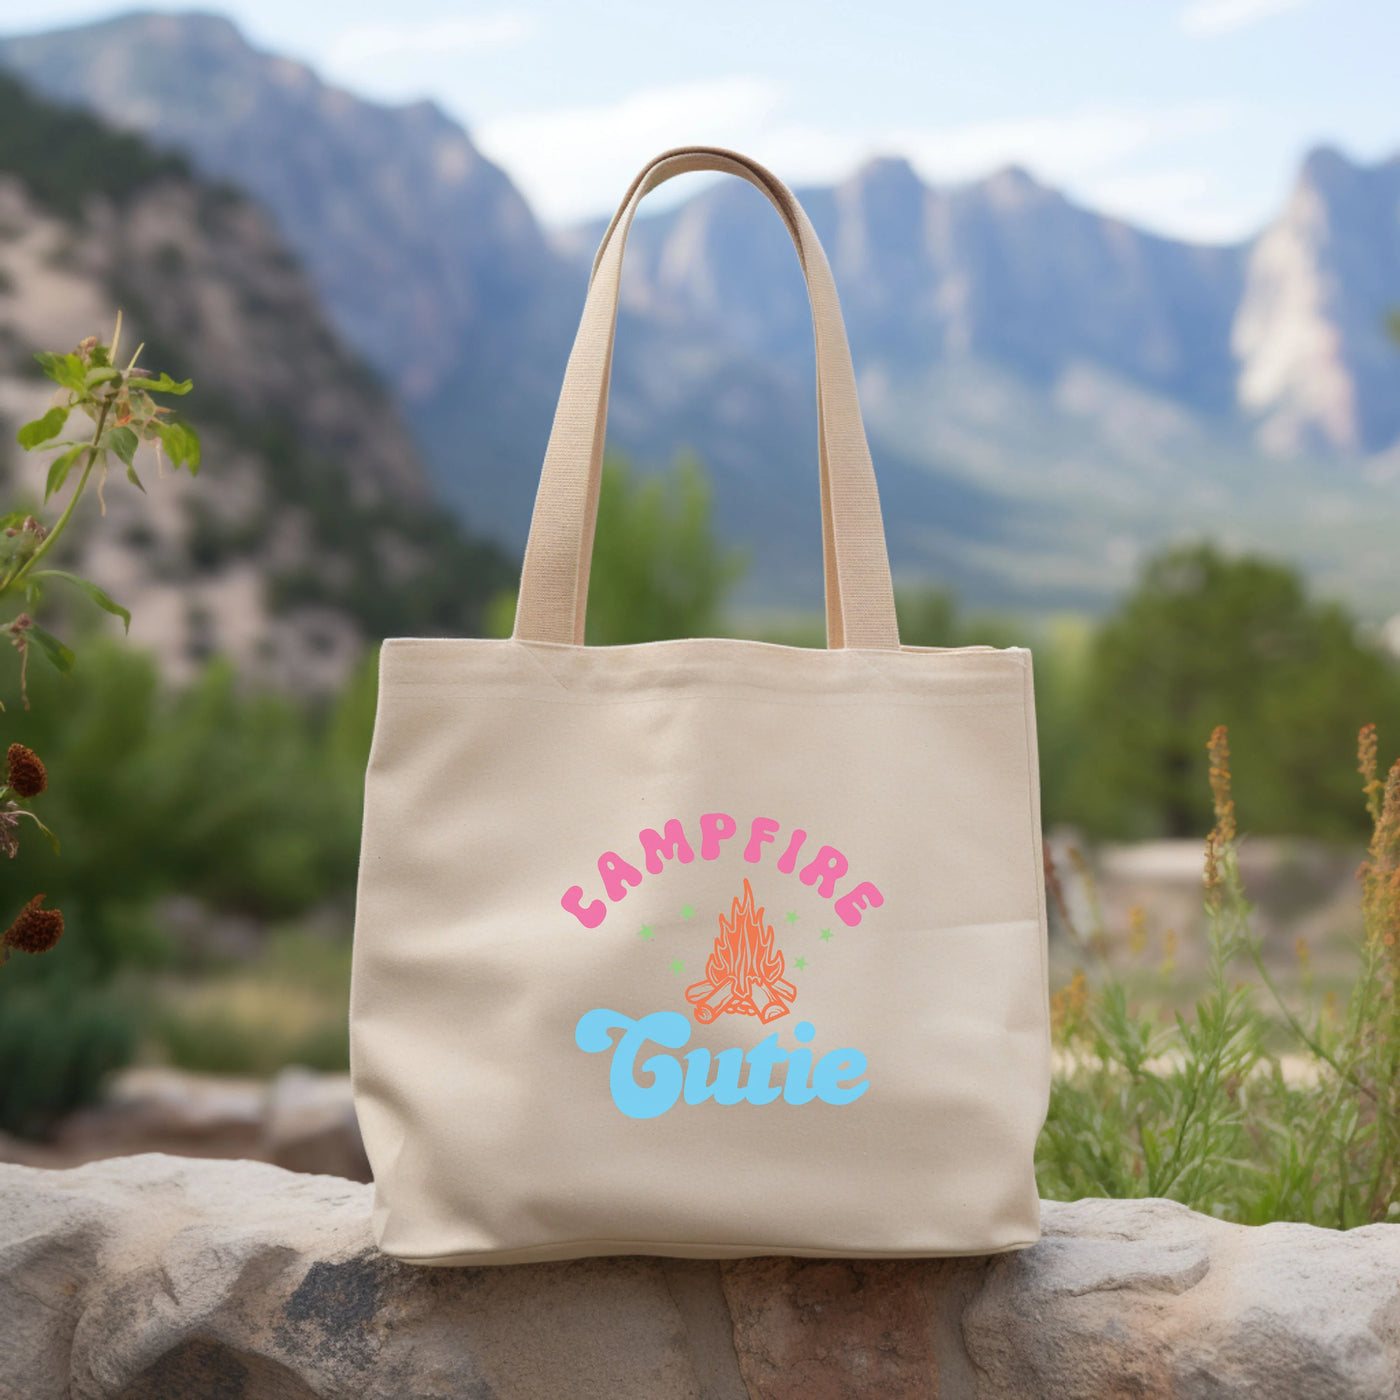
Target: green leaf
42	429
134	479
59	469
67	370
101	375
13	520
123	442
164	385
182	443
102	600
61	656
33	594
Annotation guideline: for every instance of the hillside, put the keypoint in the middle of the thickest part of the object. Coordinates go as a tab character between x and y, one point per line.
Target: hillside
311	527
426	258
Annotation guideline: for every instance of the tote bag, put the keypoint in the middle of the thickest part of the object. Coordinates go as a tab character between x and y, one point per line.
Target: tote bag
705	947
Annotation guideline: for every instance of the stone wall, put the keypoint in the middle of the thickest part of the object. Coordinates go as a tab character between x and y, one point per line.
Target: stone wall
159	1278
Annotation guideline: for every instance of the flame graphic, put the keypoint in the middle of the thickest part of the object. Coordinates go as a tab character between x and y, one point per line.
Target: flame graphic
744	972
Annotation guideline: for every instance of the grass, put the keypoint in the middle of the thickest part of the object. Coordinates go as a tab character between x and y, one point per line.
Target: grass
286	1008
1258	1103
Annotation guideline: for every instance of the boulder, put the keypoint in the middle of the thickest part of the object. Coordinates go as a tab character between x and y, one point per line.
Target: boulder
301	1120
309	1125
159	1278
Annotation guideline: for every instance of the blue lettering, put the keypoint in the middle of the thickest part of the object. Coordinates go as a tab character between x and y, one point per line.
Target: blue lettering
837	1078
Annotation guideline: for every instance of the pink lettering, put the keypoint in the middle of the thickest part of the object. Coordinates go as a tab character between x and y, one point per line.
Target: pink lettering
788	859
673	844
760	834
590	917
714	828
617	874
863	896
829	866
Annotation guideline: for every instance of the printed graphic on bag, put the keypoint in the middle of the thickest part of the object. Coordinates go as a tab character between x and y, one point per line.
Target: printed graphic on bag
745	975
824	870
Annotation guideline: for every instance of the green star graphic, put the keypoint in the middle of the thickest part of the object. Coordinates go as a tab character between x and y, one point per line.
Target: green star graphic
826	935
687	911
677	965
646	933
800	964
792	916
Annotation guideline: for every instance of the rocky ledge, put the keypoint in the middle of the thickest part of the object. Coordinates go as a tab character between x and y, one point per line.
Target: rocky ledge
155	1277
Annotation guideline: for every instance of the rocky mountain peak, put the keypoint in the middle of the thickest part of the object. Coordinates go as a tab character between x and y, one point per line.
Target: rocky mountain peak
1317	368
428	260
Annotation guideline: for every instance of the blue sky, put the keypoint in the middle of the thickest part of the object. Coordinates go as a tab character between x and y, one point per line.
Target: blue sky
1189	116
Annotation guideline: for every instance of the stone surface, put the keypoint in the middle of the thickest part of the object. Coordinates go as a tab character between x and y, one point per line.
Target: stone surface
301	1120
152	1277
309	1125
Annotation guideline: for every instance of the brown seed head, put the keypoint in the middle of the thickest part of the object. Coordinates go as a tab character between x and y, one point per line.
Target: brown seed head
28	777
1366	765
1224	831
1380	874
36	930
1219	750
1069	1008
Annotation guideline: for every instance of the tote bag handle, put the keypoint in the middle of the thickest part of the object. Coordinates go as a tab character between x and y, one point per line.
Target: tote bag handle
554	580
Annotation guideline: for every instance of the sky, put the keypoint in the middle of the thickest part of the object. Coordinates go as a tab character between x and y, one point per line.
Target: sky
1186	116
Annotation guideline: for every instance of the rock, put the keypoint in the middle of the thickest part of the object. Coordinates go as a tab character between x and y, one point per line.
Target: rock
302	1120
309	1125
149	1277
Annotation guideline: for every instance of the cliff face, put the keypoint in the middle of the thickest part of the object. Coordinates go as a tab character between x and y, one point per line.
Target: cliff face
310	528
1003	269
1318	369
425	257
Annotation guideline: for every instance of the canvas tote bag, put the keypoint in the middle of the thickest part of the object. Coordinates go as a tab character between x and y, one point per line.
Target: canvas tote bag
705	947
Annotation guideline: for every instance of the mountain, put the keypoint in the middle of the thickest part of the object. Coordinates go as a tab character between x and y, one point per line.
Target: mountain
312	526
1096	388
1317	367
1003	270
1050	392
424	255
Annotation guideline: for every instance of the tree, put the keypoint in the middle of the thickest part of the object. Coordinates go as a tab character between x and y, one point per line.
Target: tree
1207	640
658	570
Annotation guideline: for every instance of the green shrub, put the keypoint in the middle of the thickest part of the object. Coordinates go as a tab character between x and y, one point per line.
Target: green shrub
289	1006
57	1044
658	571
1199	1109
1207	640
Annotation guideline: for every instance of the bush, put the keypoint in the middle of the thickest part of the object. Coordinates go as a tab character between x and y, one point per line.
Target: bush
658	572
1207	640
57	1044
250	802
1199	1110
288	1007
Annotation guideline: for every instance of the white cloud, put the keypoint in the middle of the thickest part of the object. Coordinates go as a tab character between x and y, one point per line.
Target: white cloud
574	163
1185	202
365	45
1085	142
1205	18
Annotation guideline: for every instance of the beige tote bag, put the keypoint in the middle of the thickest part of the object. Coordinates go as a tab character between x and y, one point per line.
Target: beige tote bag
708	948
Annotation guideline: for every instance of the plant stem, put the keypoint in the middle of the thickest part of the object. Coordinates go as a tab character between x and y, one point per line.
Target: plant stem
47	543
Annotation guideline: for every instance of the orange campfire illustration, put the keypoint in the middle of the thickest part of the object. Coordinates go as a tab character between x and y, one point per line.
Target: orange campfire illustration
744	972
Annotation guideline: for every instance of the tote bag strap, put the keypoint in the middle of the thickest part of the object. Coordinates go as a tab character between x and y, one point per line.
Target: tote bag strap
554	580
